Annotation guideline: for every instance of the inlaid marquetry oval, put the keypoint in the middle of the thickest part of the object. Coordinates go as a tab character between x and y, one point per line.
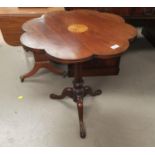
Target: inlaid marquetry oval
77	28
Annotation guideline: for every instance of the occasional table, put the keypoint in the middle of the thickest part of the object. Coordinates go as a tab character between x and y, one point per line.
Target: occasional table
75	37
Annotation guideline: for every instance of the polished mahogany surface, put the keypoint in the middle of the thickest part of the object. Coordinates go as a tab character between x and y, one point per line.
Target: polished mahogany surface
78	35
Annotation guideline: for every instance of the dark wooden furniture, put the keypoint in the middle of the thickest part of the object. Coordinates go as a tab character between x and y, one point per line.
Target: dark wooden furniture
41	61
76	37
137	16
11	21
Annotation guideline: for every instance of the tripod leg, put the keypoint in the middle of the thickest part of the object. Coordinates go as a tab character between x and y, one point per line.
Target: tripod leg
67	92
80	112
89	91
36	67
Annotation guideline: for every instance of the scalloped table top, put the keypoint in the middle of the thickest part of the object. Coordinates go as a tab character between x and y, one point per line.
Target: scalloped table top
78	35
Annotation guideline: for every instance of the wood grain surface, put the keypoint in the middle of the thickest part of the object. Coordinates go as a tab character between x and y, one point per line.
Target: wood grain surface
107	35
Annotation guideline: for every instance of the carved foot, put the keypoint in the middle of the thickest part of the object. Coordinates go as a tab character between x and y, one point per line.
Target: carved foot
22	78
67	92
42	64
31	73
82	130
89	91
80	113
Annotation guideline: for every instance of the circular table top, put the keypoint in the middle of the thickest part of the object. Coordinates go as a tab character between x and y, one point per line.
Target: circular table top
78	35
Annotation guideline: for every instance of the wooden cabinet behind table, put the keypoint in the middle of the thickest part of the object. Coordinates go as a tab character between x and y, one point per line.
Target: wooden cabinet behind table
12	19
11	28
